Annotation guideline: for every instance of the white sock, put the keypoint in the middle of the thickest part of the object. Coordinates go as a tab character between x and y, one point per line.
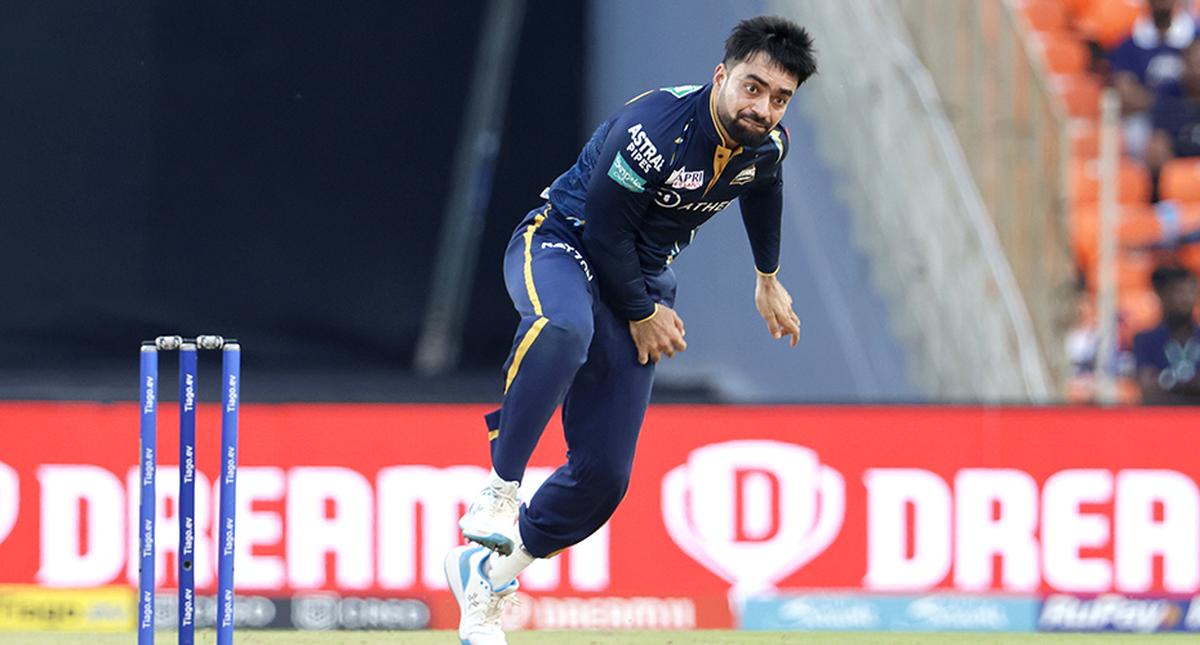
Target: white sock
504	568
496	481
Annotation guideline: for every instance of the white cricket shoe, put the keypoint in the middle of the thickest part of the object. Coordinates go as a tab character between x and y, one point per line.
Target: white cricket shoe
480	605
492	518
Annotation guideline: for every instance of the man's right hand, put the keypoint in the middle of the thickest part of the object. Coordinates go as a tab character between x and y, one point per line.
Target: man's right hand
661	334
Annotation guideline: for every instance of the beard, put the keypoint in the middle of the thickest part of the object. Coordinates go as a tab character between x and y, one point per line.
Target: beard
742	129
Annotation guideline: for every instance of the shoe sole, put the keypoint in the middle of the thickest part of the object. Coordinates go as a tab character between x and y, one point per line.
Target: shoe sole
495	541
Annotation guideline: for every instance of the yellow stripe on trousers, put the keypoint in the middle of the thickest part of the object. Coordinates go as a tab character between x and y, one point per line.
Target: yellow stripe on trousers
538	324
533	297
530	336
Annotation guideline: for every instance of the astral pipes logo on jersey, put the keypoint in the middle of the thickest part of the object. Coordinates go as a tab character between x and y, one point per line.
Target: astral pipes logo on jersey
753	512
643	150
684	179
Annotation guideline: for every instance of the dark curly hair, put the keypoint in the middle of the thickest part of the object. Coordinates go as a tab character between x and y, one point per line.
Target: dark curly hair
787	44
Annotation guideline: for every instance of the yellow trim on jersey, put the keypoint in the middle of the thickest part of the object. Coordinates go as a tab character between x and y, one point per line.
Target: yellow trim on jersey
650	317
638	97
529	286
492	434
778	139
523	349
721	157
724	151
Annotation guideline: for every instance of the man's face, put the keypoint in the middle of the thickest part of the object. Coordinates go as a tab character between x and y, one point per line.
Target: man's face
751	97
1178	300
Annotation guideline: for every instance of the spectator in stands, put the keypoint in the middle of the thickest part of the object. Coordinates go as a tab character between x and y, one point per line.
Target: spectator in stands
1176	117
1148	59
1168	355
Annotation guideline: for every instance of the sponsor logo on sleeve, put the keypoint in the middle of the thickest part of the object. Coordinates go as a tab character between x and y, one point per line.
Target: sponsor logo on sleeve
621	173
680	91
744	177
643	151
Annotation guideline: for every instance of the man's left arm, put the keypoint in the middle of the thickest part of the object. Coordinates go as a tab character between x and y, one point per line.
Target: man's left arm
762	214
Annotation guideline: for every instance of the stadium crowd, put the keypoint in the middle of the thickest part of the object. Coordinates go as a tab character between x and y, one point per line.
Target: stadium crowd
1149	52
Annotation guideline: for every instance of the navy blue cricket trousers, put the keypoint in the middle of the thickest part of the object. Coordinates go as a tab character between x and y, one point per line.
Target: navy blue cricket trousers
570	349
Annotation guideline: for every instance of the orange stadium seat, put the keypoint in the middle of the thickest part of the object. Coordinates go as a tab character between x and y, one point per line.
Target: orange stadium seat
1133	272
1138	231
1080	94
1084	135
1136	226
1180	179
1063	52
1044	15
1109	22
1134	186
1140	308
1189	256
1076	8
1189	222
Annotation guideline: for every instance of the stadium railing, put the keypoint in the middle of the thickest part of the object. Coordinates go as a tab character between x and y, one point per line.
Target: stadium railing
936	252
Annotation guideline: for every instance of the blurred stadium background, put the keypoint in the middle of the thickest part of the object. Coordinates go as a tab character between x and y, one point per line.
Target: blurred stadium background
972	221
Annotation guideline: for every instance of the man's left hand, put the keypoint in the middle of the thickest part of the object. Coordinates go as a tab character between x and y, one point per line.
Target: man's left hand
775	305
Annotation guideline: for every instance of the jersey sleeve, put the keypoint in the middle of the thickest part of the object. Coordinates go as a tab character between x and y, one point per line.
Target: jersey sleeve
628	171
762	210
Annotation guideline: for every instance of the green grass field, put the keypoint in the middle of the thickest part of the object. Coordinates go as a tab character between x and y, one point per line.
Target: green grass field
614	638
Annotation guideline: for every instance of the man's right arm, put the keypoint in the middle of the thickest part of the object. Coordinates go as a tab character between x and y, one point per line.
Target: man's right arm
619	192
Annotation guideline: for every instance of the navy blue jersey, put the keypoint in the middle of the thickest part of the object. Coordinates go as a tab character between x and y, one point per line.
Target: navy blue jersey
1157	348
651	175
1177	113
1154	58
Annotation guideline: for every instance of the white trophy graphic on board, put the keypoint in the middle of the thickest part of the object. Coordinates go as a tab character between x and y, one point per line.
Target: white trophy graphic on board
753	512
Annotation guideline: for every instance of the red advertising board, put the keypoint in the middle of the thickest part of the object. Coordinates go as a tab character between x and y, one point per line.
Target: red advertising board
363	499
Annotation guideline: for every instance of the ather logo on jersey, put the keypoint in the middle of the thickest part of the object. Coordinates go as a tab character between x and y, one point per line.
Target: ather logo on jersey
667	198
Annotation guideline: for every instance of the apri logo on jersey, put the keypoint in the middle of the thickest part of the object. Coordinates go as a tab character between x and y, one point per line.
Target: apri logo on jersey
684	179
645	154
